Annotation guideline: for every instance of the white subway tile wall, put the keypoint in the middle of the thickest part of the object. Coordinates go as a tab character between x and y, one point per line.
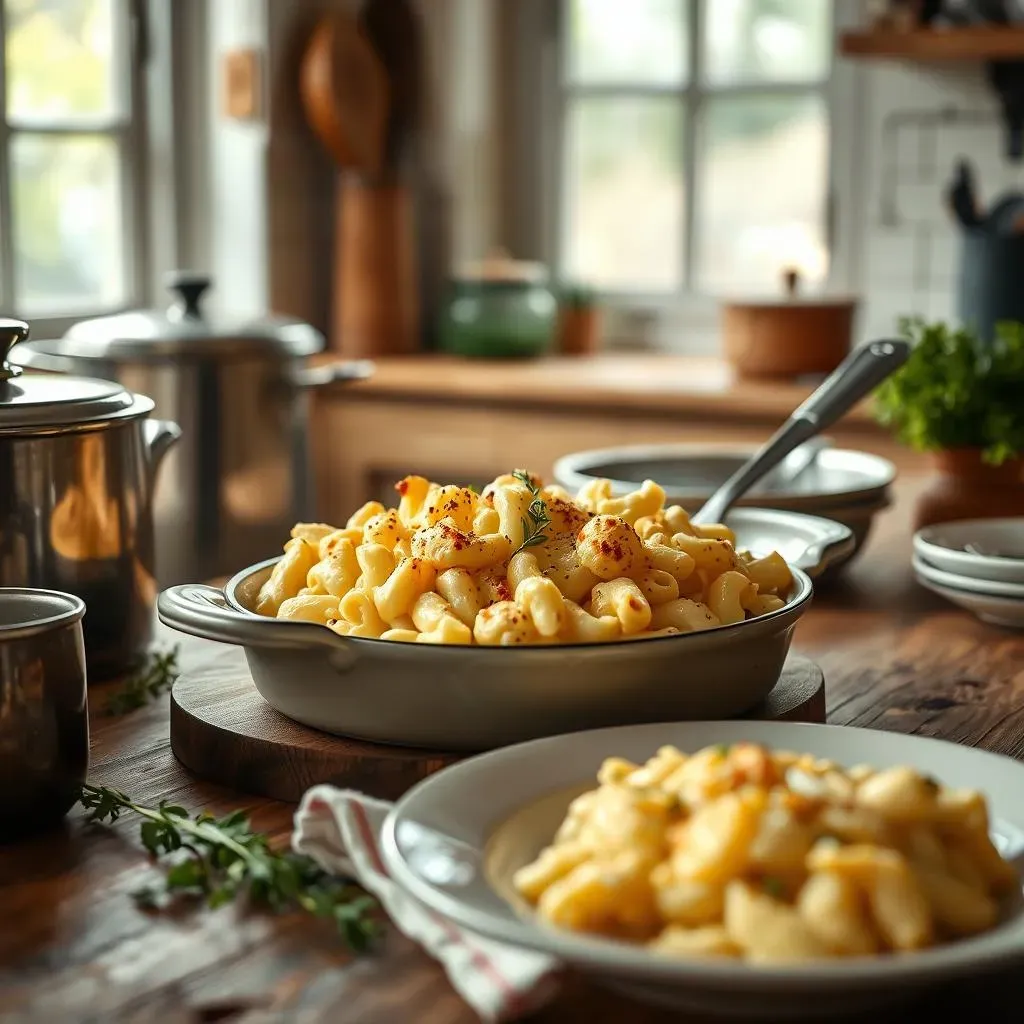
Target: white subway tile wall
909	249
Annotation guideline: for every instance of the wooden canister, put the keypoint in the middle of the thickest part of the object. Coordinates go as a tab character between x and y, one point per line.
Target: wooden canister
789	337
376	297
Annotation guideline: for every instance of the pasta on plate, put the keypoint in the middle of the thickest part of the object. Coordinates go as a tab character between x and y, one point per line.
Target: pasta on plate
769	857
520	563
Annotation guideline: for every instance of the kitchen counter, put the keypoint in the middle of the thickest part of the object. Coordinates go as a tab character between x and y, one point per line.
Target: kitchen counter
463	420
649	384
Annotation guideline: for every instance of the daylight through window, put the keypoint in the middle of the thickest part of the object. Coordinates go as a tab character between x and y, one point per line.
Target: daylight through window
695	143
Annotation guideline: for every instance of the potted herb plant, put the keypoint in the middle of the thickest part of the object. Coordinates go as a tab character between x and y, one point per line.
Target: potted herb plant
962	400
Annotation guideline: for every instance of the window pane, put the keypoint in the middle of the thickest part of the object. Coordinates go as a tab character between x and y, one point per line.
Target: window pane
766	40
67	210
634	41
60	62
624	193
763	186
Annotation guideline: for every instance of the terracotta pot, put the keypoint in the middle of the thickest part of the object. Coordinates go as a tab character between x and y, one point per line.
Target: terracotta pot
787	338
579	330
966	487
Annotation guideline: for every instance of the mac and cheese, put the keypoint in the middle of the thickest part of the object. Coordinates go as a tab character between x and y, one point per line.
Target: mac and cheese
520	563
769	857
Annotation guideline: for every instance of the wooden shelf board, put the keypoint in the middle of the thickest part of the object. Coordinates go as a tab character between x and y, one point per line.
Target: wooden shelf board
982	43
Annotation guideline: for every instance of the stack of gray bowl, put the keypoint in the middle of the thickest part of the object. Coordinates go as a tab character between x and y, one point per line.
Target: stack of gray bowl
850	487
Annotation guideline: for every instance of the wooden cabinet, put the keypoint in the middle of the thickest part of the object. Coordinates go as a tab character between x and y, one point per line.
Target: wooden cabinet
469	422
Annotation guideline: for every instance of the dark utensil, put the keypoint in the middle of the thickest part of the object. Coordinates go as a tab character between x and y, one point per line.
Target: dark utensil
860	373
961	196
394	31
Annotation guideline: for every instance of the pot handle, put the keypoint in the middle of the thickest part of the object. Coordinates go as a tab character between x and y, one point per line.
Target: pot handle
203	611
160	436
308	378
835	543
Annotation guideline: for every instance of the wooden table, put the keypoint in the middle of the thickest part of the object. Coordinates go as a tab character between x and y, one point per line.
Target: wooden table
74	947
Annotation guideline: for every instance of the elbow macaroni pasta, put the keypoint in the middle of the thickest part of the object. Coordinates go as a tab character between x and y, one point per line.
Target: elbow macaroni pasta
520	564
769	857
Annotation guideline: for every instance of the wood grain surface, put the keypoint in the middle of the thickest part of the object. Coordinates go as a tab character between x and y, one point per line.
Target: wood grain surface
73	947
223	731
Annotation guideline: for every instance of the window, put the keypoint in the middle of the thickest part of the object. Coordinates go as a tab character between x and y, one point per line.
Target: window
71	227
694	144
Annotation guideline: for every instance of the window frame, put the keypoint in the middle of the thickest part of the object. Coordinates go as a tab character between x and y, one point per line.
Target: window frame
149	41
685	319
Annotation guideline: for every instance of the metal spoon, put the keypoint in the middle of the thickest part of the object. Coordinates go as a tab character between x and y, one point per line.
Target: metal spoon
795	464
859	373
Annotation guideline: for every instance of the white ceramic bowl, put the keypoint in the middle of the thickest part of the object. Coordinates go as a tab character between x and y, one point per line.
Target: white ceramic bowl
1001	604
999	543
455	839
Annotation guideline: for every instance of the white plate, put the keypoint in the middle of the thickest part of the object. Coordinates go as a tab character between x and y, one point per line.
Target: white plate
445	844
999	611
989	588
1002	540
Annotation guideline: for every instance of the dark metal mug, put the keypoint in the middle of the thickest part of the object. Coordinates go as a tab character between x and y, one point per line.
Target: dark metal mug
44	721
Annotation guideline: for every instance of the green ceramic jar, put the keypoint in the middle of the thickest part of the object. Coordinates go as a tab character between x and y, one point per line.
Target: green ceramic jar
500	310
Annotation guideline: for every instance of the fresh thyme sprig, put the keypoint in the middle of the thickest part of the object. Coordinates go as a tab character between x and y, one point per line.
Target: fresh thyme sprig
156	675
537	517
222	858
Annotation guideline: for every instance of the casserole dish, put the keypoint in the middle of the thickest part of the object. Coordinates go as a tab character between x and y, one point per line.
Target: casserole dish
465	698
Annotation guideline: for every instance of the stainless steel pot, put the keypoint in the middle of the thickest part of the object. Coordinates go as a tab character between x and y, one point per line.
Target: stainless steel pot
241	476
476	698
44	721
78	463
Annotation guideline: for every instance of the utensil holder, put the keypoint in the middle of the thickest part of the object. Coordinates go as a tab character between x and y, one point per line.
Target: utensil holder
991	281
376	297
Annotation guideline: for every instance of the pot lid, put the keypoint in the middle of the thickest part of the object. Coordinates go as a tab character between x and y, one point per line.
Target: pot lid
500	268
185	329
51	400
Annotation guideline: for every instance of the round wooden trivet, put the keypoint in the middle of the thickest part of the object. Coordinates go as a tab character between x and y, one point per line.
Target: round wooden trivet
224	732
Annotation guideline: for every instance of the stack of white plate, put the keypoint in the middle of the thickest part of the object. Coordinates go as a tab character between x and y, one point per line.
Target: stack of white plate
977	564
849	487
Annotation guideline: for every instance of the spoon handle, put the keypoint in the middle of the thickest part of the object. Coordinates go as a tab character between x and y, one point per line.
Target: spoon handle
858	374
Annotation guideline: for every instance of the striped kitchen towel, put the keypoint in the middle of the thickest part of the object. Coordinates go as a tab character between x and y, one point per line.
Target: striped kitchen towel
340	829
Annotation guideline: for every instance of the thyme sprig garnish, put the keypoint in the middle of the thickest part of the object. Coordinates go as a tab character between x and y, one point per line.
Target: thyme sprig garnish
216	860
537	517
156	675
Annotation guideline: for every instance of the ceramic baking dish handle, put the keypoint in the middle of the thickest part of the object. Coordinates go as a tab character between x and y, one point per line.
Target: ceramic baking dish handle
834	543
204	612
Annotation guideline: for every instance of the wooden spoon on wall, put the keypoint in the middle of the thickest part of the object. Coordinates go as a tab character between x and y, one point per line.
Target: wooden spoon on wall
345	93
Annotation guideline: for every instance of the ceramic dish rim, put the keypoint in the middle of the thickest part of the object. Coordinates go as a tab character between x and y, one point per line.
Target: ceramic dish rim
958	596
990	949
794	607
926	546
968	584
566	467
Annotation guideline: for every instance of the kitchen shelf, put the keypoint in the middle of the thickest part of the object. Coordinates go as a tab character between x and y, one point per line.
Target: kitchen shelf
982	43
